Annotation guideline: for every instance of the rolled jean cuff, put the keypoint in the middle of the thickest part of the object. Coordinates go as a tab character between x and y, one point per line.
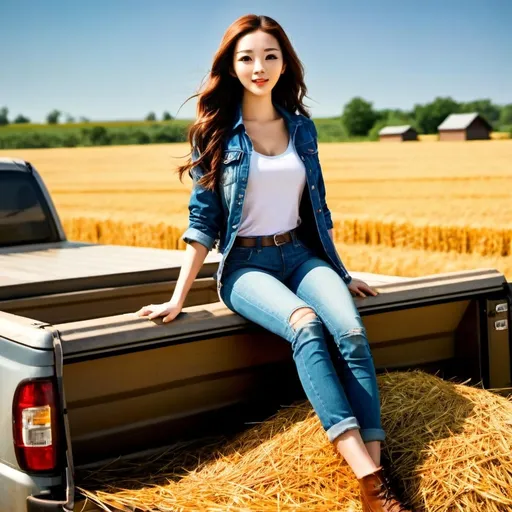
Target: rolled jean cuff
341	427
372	434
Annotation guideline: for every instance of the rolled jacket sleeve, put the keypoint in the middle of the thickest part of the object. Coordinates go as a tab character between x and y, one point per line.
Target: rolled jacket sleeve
205	211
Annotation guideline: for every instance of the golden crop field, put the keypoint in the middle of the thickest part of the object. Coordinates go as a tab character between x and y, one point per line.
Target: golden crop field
407	209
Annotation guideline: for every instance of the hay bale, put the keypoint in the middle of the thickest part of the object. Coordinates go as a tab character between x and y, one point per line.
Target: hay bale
449	448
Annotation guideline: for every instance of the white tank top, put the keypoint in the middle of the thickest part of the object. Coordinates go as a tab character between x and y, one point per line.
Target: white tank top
273	193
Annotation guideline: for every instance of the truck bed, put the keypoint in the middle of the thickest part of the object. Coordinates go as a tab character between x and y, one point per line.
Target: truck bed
131	383
44	269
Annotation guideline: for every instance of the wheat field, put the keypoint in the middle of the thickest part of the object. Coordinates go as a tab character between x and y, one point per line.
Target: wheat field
407	209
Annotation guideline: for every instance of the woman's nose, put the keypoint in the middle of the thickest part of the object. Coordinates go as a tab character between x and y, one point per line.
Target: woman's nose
258	66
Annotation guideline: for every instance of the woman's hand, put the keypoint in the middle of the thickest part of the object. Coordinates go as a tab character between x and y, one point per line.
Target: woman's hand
358	287
168	310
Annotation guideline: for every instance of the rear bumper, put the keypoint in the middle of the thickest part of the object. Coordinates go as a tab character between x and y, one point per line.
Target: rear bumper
44	503
59	499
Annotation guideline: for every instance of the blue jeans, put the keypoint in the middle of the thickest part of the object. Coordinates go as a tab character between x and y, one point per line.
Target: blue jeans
266	285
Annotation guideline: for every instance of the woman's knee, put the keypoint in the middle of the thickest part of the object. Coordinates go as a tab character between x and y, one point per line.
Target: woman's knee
353	343
301	317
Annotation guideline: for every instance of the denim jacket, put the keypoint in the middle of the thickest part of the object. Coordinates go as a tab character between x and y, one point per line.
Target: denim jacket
215	216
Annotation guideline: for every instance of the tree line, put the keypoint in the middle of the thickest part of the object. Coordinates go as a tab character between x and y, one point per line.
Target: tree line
55	117
359	120
359	117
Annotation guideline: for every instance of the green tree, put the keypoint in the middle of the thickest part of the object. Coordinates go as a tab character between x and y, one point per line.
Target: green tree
358	116
373	134
506	115
166	116
21	119
96	136
429	116
4	116
395	114
70	119
151	117
394	117
53	117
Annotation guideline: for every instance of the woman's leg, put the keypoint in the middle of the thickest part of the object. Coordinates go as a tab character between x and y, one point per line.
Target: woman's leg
316	282
265	300
373	448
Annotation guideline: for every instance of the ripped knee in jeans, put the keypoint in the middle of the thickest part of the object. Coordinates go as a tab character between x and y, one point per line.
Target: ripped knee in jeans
353	344
301	316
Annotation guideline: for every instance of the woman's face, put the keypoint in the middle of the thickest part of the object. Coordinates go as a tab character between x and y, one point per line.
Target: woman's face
257	55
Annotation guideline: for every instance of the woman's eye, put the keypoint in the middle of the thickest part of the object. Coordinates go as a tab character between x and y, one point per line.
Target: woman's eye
242	59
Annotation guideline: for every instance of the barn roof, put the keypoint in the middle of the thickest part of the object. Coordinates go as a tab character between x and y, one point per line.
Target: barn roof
394	130
460	121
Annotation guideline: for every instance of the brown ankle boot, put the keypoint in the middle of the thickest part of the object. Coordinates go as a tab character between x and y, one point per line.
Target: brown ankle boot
376	495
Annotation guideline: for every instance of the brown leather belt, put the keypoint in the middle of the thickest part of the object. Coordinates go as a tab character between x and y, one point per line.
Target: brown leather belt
280	239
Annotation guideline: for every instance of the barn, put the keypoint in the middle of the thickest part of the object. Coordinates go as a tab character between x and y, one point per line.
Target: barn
398	133
471	126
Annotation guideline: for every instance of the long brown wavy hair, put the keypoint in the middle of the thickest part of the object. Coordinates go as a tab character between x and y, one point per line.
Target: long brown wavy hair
223	92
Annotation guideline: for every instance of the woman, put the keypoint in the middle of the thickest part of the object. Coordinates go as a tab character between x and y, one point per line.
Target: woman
252	159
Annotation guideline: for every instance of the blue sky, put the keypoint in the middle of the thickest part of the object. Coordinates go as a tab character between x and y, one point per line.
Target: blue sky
120	59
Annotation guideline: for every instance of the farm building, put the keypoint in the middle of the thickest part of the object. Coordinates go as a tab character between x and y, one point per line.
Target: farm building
471	126
398	133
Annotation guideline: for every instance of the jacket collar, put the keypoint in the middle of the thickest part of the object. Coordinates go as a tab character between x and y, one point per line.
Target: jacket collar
290	119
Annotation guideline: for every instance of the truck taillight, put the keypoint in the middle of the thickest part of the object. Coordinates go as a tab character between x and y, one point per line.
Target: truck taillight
35	425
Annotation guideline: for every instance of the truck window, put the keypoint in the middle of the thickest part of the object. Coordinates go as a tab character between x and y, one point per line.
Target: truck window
24	217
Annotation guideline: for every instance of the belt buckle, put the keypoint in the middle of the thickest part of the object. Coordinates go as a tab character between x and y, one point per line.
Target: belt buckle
276	242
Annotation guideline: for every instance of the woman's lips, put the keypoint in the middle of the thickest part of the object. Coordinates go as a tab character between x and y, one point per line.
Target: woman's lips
260	82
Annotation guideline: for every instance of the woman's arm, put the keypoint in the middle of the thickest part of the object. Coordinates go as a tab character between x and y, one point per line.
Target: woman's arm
205	211
195	254
205	221
356	286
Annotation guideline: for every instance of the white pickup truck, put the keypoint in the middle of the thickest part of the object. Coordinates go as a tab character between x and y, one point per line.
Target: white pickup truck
82	379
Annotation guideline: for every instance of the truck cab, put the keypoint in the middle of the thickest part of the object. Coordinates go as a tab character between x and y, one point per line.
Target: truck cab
27	213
